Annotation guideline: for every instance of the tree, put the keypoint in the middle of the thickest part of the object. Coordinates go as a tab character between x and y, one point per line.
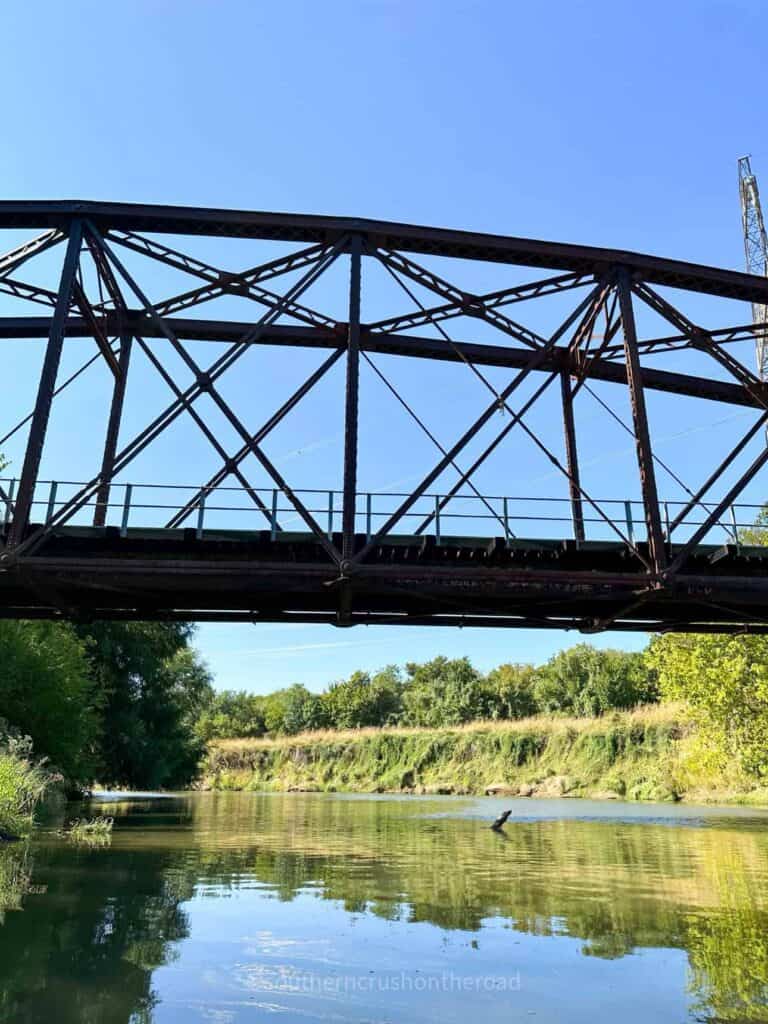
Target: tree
48	693
364	700
152	687
585	681
442	692
293	710
724	679
231	714
509	691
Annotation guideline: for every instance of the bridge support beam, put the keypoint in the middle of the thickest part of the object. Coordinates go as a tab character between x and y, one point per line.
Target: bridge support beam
351	416
572	457
42	411
113	431
640	421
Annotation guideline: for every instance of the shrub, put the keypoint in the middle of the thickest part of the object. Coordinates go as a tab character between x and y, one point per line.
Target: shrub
23	781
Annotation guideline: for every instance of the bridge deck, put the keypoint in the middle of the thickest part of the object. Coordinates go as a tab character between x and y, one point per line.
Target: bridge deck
231	575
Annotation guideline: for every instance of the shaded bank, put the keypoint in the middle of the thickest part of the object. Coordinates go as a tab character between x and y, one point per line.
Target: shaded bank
637	755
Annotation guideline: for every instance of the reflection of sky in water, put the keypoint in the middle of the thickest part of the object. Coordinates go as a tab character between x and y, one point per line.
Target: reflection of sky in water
359	967
235	907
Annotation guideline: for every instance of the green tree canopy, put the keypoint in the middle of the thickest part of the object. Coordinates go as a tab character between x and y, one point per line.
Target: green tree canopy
231	714
724	679
152	687
48	693
293	709
509	691
586	681
442	692
364	699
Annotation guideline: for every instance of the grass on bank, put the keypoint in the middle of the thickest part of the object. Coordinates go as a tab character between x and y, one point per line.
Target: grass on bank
23	783
637	755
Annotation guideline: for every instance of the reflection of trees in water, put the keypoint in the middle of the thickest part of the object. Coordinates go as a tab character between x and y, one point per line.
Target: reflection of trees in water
616	887
86	950
15	872
728	948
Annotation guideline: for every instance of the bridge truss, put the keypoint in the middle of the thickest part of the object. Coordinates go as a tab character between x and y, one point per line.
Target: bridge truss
65	557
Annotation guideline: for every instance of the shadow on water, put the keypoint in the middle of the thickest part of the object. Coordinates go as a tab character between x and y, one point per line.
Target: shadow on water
84	931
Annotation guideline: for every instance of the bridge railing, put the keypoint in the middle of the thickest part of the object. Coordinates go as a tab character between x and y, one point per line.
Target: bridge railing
468	515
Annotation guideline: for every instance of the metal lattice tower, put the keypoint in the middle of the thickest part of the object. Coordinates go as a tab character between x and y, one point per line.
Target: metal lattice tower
755	251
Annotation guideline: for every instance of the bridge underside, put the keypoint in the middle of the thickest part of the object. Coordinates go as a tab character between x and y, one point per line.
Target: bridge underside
84	572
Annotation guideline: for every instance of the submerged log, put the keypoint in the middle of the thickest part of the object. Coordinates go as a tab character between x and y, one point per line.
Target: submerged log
501	821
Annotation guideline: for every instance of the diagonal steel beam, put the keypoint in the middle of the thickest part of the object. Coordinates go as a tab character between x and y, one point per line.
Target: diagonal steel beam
702	340
656	458
572	455
105	275
218	478
490	300
682	556
145	437
223	405
47	385
101	339
205	429
417	419
395	261
15	257
29	292
588	310
712	479
536	358
222	282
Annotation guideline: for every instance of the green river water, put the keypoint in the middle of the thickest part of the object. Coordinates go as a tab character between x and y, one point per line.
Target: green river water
232	907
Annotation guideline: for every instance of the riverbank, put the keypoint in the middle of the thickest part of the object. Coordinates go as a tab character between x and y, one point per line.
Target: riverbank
643	754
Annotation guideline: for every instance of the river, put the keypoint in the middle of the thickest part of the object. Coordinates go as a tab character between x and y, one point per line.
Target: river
230	907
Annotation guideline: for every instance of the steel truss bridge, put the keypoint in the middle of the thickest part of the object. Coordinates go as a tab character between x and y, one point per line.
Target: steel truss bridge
105	548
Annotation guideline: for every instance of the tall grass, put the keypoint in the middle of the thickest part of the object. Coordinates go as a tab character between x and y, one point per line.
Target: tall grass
633	755
23	782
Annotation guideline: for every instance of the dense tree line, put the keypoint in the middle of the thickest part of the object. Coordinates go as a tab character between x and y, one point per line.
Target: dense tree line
440	692
114	702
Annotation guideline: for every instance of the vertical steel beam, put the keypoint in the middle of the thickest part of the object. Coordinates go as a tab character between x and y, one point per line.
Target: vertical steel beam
113	430
42	411
640	421
351	417
572	455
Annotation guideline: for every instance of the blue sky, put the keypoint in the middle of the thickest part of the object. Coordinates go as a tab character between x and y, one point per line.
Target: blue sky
601	123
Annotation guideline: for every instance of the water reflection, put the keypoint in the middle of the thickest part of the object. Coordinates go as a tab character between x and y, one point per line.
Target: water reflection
206	907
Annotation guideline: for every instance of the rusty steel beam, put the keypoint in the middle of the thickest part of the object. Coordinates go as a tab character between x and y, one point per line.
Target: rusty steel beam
218	478
714	515
401	345
179	220
696	499
351	410
223	282
640	420
204	380
113	430
572	456
474	306
225	361
490	300
534	360
46	387
19	255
